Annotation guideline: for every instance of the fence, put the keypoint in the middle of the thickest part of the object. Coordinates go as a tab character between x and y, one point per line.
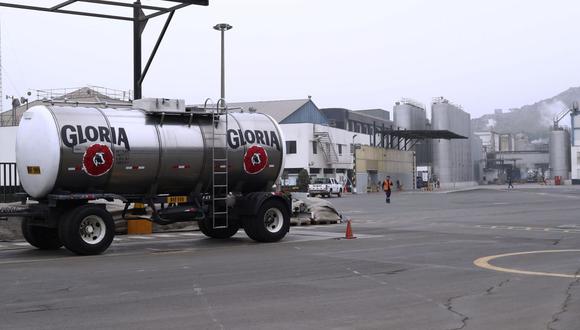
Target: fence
9	183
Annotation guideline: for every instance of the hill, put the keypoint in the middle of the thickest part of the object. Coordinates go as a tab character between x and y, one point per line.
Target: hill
534	120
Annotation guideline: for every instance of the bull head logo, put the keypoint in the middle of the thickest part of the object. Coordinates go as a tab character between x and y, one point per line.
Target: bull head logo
99	158
256	159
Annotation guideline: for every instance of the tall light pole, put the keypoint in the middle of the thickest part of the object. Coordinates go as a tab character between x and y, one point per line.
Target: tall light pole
223	27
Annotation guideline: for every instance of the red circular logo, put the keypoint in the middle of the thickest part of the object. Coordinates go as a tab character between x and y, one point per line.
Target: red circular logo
98	160
255	159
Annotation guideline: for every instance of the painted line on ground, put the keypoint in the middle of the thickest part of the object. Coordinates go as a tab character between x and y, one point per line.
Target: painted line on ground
165	235
537	229
301	234
484	262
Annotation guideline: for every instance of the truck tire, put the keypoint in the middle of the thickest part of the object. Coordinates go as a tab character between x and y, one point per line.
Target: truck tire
206	227
270	224
87	230
42	238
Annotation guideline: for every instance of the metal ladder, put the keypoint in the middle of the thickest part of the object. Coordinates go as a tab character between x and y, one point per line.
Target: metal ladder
220	166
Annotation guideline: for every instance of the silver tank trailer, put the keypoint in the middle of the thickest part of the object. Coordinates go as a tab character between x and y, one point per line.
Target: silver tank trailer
128	151
560	153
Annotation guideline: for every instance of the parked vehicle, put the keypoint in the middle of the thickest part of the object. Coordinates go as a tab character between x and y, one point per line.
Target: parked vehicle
325	187
209	166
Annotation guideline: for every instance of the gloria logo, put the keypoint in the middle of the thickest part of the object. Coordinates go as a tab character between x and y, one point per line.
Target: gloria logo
255	159
239	138
97	160
72	136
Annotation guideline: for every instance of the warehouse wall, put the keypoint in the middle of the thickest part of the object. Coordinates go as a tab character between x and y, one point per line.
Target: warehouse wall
374	164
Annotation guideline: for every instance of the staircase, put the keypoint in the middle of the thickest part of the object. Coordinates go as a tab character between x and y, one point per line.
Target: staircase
327	147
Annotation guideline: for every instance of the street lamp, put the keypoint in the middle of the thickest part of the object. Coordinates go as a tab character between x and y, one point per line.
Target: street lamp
223	27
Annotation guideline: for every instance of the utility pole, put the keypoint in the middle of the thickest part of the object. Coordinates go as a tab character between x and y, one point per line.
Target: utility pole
223	27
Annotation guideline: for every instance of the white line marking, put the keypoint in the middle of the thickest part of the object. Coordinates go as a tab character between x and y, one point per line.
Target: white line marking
141	237
21	244
165	235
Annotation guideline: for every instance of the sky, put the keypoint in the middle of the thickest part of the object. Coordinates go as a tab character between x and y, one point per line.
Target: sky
363	54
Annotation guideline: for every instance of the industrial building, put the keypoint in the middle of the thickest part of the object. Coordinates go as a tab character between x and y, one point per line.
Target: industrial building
444	148
324	142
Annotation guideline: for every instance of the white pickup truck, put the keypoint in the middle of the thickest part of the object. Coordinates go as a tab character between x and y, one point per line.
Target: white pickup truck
325	187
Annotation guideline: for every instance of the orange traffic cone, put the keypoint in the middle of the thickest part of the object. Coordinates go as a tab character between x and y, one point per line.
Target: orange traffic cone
349	234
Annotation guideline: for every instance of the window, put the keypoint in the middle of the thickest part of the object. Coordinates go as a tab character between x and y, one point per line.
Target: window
340	149
332	123
314	170
290	147
315	147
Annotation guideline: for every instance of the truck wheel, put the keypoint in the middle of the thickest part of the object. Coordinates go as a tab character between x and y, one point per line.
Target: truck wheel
87	230
270	224
339	193
206	227
42	238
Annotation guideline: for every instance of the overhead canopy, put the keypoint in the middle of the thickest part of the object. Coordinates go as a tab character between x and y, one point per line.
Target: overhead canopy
426	134
61	7
141	15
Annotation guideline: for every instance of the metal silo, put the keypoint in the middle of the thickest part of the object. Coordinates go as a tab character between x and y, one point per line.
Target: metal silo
560	153
451	158
409	114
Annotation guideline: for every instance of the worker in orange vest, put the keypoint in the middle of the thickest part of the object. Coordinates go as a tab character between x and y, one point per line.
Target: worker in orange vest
387	184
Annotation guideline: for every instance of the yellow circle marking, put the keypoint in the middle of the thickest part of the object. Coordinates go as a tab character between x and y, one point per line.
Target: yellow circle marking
483	262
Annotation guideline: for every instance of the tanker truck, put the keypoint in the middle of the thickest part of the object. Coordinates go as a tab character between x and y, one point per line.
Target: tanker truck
187	163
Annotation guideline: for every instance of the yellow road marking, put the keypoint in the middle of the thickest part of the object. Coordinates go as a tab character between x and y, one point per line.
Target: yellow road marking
483	262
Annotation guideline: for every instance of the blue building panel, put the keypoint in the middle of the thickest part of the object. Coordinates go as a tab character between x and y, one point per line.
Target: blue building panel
308	113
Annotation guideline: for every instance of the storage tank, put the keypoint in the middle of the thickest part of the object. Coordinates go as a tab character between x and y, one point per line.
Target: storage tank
132	151
452	162
410	116
560	153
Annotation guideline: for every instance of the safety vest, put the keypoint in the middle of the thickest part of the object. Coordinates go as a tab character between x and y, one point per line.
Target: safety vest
387	185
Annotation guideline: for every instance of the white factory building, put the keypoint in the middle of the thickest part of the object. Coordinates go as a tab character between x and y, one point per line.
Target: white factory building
311	141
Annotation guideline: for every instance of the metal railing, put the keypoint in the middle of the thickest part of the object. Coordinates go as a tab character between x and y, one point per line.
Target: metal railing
83	92
9	183
441	99
409	101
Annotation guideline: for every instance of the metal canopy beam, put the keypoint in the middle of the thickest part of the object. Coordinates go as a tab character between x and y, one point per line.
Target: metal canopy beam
139	20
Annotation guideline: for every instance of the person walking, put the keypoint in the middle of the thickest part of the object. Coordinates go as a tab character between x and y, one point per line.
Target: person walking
387	184
509	182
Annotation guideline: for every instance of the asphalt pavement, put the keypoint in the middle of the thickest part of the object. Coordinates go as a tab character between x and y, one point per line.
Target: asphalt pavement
479	259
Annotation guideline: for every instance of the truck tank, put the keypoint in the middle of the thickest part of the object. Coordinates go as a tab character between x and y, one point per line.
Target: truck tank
130	151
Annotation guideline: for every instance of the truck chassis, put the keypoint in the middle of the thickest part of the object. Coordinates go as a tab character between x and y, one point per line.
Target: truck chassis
85	227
